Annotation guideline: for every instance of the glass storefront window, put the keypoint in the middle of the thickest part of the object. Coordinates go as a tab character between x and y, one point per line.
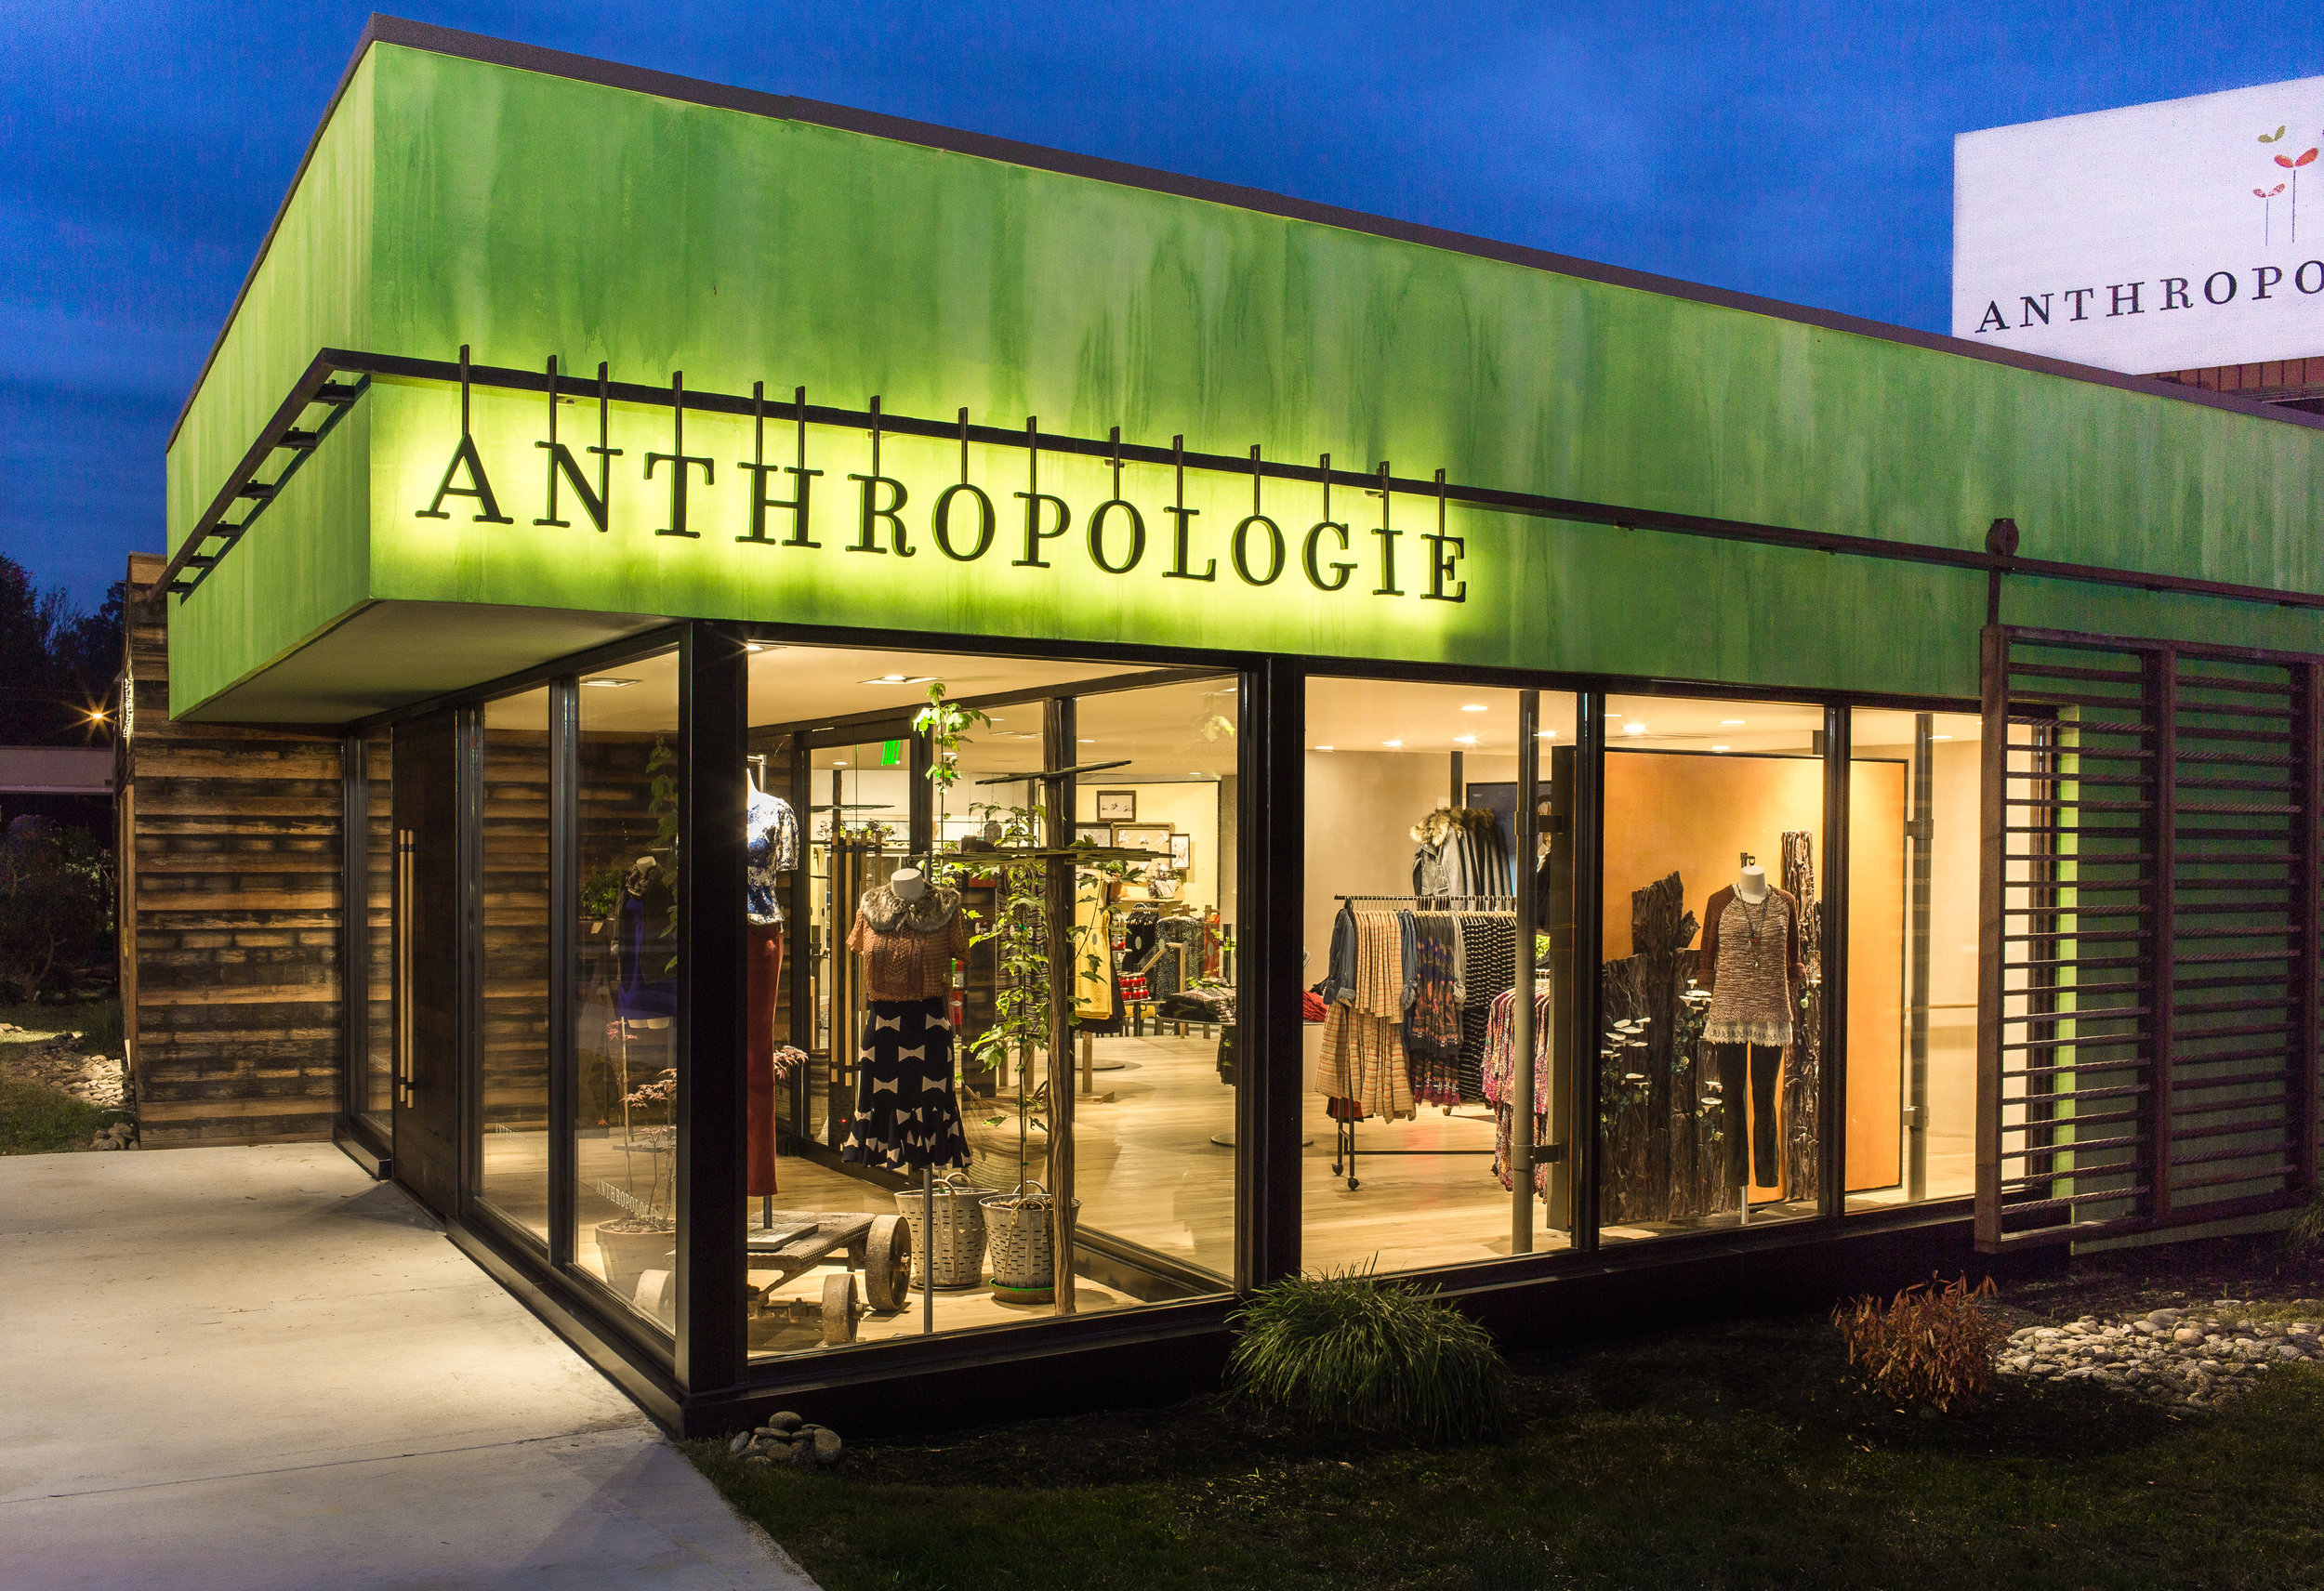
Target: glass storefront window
906	1054
513	1100
1415	847
1912	956
628	758
376	1092
1712	991
1156	1068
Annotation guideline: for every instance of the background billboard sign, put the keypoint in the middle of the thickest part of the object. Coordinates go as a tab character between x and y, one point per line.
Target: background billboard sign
2170	236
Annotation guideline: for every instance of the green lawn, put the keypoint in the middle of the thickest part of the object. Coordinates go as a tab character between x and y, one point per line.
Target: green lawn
1730	1456
35	1120
98	1020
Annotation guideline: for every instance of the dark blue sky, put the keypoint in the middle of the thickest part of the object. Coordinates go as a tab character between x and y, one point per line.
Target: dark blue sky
1802	152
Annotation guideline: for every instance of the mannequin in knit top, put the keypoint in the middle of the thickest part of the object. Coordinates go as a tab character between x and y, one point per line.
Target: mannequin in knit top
1750	966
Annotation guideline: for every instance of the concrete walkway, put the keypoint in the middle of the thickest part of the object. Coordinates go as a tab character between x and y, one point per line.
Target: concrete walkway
257	1368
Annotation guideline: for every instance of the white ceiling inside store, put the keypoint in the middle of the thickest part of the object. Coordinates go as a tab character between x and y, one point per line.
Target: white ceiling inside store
1188	730
1399	715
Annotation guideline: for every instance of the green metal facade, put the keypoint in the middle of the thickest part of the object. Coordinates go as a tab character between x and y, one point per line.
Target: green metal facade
453	202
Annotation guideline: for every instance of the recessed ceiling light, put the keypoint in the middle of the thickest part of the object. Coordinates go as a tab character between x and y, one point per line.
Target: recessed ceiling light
1464	739
1940	737
754	646
1731	721
1326	748
1473	707
1193	773
1086	740
1633	729
609	681
837	763
1718	748
899	679
1614	715
1392	743
1546	735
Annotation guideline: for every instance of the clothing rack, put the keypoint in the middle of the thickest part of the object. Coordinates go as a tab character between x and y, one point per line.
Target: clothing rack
1502	901
1344	1149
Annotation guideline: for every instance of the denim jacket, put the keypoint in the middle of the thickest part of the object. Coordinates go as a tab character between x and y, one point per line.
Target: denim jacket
1340	974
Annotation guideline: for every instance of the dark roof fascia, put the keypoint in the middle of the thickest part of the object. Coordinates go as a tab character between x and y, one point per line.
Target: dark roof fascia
381	29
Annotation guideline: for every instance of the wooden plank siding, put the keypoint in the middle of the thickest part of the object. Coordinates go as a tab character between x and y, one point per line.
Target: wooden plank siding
231	918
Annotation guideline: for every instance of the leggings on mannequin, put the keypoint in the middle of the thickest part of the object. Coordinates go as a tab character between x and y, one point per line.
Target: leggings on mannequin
1765	1065
764	979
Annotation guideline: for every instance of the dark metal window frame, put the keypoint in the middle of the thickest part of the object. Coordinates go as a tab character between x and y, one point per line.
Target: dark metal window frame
706	1364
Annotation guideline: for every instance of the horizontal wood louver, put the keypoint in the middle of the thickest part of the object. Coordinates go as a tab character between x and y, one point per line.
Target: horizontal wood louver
2147	1016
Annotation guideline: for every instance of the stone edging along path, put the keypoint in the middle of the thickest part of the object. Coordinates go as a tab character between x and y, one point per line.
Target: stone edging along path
2199	1357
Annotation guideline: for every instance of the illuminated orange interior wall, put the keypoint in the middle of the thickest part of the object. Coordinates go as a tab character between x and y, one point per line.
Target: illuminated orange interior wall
1697	814
1876	975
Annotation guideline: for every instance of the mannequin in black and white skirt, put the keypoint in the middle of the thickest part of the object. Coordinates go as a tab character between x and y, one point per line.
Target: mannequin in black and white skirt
907	1115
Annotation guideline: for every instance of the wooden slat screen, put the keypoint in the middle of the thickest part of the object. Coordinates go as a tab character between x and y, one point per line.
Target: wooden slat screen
2147	1003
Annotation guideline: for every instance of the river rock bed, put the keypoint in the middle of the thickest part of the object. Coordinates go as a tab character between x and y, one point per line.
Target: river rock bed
787	1439
2199	1356
62	1063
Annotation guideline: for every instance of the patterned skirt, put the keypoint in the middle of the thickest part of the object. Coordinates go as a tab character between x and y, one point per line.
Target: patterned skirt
1431	1028
907	1115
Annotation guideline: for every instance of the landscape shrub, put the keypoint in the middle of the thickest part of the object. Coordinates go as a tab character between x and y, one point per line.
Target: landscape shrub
2306	1236
1930	1346
1343	1351
56	909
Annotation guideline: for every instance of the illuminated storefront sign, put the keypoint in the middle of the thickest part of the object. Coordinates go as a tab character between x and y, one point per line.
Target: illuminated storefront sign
777	506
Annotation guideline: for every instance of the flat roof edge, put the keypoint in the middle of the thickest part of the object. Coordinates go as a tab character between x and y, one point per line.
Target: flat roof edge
484	47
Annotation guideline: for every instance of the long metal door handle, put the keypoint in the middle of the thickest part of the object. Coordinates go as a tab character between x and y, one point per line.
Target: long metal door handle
404	1080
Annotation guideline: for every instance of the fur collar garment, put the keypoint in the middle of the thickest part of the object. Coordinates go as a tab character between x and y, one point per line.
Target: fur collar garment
1446	822
887	915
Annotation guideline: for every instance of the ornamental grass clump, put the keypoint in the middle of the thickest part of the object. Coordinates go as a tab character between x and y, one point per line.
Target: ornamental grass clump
2305	1239
1930	1346
1345	1352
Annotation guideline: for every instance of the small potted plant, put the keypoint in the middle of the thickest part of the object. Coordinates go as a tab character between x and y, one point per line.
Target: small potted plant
640	1240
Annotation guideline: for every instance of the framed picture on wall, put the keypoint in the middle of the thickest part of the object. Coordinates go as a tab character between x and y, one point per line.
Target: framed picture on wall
1100	835
1155	837
1118	805
1182	852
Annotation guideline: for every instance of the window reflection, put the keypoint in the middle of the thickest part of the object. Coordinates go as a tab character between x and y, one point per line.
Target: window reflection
628	756
374	1094
512	1117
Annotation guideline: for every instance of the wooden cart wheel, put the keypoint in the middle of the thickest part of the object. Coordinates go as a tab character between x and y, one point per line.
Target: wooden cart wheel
888	1263
838	1310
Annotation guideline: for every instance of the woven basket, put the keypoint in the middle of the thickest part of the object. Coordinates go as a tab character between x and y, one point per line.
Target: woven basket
1024	1250
959	1256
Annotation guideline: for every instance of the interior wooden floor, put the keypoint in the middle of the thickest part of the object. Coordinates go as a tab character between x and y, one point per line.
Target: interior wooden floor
1150	1173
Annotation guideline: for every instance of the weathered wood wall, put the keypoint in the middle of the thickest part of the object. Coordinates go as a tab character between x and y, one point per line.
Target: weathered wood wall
231	918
